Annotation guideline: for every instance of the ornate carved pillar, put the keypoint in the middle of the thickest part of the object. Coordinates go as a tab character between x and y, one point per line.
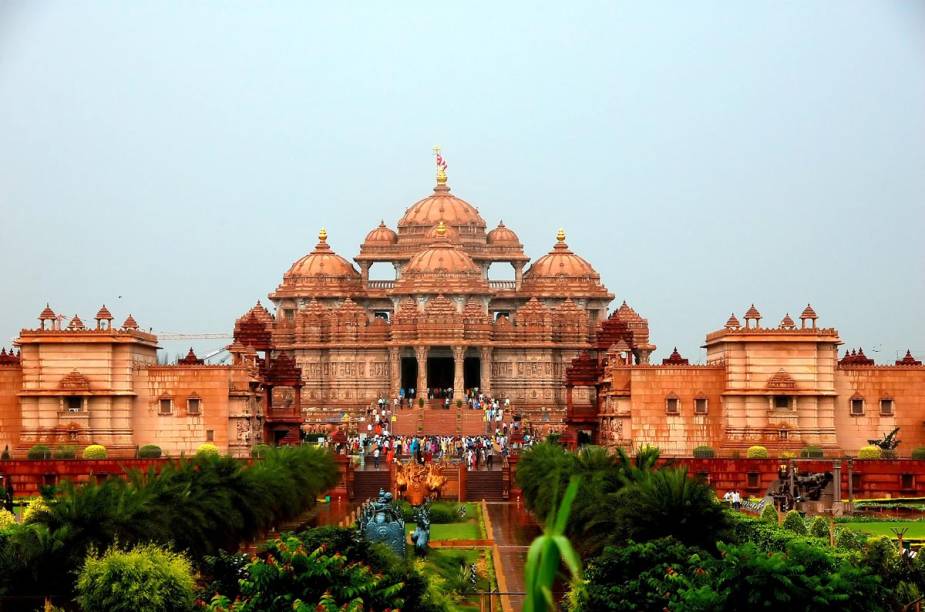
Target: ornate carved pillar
421	353
518	274
459	381
485	371
394	371
364	272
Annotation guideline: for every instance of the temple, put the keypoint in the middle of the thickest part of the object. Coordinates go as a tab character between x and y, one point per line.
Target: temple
336	341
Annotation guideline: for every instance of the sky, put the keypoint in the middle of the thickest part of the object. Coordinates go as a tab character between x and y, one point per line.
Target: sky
172	159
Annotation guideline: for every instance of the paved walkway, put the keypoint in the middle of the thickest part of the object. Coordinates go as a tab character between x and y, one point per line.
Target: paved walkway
513	530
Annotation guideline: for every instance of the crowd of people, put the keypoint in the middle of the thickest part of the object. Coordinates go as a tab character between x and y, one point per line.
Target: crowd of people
478	452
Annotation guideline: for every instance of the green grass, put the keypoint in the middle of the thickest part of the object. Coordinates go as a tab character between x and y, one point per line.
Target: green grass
916	529
451	531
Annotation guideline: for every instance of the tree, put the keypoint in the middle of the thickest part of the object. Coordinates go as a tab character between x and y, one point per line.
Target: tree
666	503
143	578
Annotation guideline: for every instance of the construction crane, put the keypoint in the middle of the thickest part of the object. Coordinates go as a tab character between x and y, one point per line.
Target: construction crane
182	336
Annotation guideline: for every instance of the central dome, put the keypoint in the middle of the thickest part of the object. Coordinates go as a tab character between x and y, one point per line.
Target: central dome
441	256
441	206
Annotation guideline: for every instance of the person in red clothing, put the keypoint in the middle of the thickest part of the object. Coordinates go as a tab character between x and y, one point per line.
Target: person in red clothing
390	458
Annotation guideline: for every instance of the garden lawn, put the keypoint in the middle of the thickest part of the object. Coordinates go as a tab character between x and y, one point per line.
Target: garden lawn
916	529
452	531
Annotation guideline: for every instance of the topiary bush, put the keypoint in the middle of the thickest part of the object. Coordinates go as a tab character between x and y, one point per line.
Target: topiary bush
795	523
207	449
811	452
7	519
65	452
756	452
95	451
849	539
704	452
149	451
260	450
769	515
819	527
787	455
143	578
918	453
36	507
870	452
38	452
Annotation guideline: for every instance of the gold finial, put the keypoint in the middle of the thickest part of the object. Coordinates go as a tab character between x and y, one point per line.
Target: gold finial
441	166
323	235
441	229
560	235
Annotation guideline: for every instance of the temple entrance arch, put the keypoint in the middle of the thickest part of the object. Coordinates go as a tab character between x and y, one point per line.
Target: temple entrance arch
440	368
409	373
472	372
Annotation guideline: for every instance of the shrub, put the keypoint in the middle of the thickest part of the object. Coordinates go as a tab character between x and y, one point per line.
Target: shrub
769	515
259	451
870	452
811	452
704	452
35	509
149	451
143	578
5	456
787	455
95	451
888	453
39	451
819	527
7	519
756	452
65	452
850	539
918	453
795	523
207	449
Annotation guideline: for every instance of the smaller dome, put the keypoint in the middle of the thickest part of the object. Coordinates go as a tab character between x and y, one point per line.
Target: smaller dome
503	235
381	235
323	261
560	261
103	314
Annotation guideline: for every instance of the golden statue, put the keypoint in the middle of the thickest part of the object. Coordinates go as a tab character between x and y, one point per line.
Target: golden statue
418	481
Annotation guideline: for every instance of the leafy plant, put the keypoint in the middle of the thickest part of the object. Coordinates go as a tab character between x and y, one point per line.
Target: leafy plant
547	553
787	455
769	515
35	510
143	578
65	452
207	448
870	452
39	452
7	519
795	523
704	452
149	451
260	450
756	452
95	451
918	452
811	452
668	503
819	527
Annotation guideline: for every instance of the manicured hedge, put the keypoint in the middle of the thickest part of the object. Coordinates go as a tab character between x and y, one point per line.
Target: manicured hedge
918	453
207	449
95	451
149	451
704	452
812	452
39	451
870	452
65	452
757	452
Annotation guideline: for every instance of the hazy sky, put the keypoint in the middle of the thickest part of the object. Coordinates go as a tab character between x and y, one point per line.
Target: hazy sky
703	156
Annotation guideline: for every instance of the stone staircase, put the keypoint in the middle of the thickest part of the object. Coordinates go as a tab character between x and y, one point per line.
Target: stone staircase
485	484
366	483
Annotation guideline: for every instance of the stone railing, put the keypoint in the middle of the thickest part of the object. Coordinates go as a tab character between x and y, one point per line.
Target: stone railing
380	284
502	284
